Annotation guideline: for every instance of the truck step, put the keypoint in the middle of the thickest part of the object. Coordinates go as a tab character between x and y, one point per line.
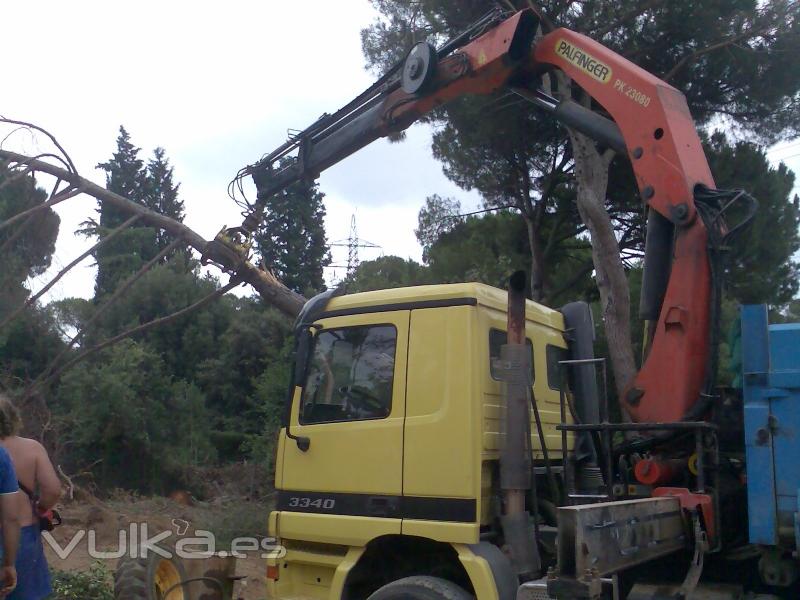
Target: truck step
534	590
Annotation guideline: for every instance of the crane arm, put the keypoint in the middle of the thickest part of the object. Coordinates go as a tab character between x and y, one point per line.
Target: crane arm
650	122
669	164
422	82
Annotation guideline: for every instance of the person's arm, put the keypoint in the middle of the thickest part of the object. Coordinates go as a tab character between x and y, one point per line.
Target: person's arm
10	522
9	518
46	479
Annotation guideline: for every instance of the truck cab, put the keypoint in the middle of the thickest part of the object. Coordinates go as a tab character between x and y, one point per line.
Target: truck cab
387	464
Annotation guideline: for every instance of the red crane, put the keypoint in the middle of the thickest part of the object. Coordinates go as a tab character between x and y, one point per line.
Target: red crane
649	121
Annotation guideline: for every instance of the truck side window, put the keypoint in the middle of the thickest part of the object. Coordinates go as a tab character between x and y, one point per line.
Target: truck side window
554	356
497	339
350	376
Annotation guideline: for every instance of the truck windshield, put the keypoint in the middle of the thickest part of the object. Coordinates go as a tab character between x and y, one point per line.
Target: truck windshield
350	375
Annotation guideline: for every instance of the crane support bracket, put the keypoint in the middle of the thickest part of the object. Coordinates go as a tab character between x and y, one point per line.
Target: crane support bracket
609	537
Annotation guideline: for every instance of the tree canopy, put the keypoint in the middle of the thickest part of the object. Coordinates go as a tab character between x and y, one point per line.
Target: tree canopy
291	239
26	251
150	185
762	265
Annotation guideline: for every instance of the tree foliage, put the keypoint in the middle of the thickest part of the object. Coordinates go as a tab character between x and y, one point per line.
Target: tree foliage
291	239
485	249
26	251
197	391
762	265
387	272
161	193
27	248
152	186
437	216
126	411
200	377
733	58
490	248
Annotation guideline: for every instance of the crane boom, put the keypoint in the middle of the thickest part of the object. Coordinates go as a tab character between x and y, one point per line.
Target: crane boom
650	122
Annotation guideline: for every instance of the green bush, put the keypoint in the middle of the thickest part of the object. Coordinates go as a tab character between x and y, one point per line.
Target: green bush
94	584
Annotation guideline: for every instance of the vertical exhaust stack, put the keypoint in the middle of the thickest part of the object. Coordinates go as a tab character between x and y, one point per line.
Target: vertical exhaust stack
515	466
515	457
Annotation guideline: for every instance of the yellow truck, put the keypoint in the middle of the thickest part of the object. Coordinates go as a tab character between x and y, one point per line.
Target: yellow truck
387	464
425	426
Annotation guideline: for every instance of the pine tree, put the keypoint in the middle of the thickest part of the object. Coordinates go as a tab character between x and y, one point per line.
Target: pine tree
292	238
26	250
151	186
762	265
161	193
438	216
124	176
122	256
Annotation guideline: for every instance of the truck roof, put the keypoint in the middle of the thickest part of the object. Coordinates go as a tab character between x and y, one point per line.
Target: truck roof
431	296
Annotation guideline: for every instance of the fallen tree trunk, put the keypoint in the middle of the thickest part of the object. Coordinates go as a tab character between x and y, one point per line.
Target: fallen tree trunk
265	283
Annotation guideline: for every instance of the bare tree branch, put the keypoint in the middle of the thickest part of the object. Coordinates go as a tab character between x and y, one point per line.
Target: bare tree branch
41	380
581	272
66	194
30	301
121	289
768	20
66	159
625	18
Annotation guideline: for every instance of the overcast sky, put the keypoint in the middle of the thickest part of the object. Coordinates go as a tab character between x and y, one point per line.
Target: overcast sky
217	85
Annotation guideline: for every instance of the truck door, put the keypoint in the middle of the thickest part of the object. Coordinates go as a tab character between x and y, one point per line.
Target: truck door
351	409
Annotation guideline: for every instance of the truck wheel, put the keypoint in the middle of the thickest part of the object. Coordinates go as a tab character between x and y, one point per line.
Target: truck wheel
149	578
421	588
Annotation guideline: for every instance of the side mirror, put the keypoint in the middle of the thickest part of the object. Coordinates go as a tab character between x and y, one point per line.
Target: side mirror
303	342
302	356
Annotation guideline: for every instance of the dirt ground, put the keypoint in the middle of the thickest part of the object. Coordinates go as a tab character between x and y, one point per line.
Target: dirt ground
227	519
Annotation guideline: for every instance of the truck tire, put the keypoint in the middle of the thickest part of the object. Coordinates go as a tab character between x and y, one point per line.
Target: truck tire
149	578
421	588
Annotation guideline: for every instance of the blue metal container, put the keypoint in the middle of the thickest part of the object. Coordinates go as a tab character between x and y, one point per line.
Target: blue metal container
771	384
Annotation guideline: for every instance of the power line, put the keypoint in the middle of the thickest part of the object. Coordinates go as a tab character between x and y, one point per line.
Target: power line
787	147
478	212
